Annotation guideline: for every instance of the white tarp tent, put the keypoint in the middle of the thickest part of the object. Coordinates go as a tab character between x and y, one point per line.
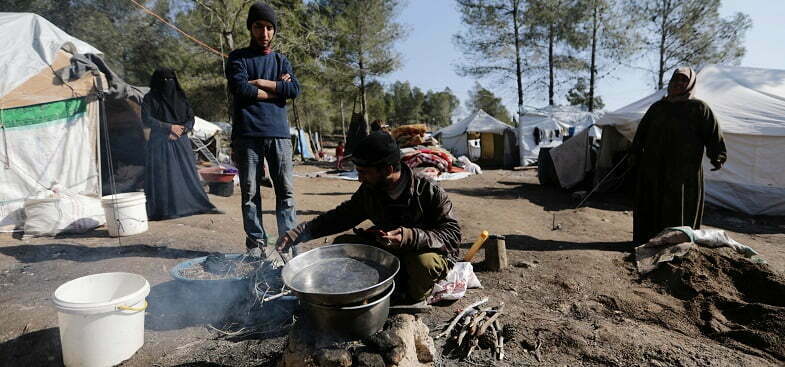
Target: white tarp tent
49	130
30	44
749	104
455	137
552	123
204	129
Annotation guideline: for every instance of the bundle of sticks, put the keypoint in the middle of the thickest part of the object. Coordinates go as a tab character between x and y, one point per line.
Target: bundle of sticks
477	327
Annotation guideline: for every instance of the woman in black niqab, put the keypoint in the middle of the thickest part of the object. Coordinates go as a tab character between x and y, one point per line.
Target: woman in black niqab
171	182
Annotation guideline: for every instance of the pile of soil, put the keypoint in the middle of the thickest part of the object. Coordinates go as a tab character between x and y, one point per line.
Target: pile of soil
731	299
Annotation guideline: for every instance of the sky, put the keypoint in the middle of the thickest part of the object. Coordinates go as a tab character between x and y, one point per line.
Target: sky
429	55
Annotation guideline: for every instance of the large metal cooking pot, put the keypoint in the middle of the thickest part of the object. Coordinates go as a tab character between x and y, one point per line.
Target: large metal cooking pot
355	321
340	275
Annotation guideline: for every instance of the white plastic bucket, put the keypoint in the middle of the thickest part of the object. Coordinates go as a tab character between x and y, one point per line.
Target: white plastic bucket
126	214
101	318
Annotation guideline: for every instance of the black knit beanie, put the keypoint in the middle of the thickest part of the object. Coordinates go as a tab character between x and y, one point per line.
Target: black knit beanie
378	148
260	11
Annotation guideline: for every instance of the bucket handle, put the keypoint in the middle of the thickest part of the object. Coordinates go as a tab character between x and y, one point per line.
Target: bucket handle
129	308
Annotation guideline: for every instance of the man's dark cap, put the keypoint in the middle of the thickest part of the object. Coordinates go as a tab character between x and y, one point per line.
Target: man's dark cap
261	11
376	149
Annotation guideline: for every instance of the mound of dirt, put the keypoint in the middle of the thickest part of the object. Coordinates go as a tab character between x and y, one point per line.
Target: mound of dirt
731	299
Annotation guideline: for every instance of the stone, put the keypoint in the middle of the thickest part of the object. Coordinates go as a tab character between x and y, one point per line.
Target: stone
333	358
418	345
367	359
424	345
526	264
384	341
404	342
395	355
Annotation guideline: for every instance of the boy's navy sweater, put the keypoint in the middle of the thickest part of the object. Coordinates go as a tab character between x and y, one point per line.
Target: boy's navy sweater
252	117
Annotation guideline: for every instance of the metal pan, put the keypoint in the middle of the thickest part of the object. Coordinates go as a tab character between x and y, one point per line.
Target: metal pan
340	275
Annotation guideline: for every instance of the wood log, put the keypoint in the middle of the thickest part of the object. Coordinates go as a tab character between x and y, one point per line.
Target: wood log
447	331
472	347
491	319
464	329
500	344
476	320
496	253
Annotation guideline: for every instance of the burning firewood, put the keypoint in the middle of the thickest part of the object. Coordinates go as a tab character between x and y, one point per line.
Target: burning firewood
477	328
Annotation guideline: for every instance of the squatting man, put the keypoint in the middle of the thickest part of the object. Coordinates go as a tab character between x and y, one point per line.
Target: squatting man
412	218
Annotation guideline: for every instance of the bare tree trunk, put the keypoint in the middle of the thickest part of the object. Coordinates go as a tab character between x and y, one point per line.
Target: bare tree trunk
663	34
593	68
363	104
228	37
343	123
362	92
550	65
518	73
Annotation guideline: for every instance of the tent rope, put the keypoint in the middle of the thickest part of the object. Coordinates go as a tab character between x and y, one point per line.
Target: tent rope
7	164
200	43
110	166
74	94
624	159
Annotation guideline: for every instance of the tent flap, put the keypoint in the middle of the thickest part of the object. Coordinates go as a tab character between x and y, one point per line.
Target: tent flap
33	47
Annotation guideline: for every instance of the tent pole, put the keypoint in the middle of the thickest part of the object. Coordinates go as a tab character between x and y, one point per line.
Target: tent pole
299	132
5	140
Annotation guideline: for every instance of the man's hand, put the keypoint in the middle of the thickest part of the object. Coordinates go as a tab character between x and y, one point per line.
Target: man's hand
286	77
177	129
283	243
173	136
395	237
717	165
267	85
262	95
290	238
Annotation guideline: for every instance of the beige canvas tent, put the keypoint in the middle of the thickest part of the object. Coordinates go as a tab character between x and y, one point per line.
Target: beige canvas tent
50	127
51	117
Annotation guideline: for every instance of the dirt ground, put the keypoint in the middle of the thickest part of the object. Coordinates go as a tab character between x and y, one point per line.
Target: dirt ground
573	294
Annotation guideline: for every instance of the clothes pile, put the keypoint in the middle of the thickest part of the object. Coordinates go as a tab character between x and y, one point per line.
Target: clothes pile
676	242
412	135
435	157
432	162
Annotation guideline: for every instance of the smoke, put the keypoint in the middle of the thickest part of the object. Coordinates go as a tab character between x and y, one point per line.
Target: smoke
226	305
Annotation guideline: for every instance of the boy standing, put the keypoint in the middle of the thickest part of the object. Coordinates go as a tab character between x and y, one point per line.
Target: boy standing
260	81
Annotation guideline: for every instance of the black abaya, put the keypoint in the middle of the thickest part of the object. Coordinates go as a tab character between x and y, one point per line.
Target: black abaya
172	184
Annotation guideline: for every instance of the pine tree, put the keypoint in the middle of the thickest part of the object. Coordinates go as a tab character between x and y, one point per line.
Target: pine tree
362	36
691	33
483	99
493	40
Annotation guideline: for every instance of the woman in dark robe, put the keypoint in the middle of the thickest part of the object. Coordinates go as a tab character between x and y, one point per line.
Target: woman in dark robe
171	182
668	151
